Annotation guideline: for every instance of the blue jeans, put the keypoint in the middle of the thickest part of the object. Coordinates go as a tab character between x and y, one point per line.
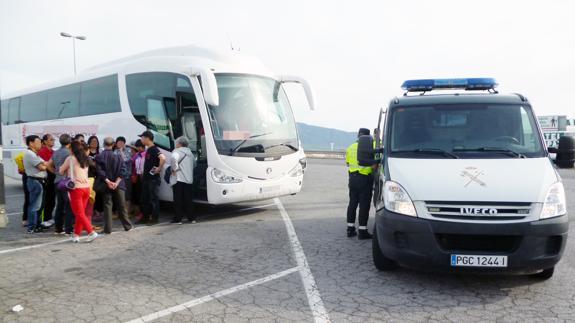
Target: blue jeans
35	190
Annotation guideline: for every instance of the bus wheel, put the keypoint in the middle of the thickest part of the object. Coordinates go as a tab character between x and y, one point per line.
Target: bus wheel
545	274
379	259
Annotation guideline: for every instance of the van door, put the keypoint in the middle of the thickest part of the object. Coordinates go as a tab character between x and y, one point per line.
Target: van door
379	176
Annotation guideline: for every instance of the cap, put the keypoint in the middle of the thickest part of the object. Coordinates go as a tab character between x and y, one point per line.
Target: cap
363	132
147	134
138	143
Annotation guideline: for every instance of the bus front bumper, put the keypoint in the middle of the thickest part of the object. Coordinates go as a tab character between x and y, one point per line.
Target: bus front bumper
252	190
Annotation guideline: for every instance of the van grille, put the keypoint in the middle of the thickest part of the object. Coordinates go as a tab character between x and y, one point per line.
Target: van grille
486	211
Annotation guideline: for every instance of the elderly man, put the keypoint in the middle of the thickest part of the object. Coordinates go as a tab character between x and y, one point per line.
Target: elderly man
182	166
110	168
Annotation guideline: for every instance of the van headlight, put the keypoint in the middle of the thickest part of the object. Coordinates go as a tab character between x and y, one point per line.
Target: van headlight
555	204
296	171
397	200
221	177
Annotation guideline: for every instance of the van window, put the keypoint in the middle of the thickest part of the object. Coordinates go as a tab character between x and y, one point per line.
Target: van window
468	131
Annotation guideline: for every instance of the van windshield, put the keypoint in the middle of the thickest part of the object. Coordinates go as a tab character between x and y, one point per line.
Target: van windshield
464	131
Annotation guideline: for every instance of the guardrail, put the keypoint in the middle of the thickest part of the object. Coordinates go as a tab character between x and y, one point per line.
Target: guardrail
325	154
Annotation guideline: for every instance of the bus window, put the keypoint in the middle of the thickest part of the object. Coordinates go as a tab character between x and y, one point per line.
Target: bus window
99	96
63	102
13	111
158	122
33	107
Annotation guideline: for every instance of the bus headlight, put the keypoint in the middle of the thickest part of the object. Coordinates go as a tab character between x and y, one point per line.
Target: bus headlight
555	204
220	177
296	171
397	200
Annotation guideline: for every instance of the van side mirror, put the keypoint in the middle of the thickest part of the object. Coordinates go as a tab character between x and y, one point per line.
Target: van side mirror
209	85
309	94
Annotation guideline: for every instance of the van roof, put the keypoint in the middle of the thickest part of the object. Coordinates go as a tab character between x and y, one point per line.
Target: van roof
458	98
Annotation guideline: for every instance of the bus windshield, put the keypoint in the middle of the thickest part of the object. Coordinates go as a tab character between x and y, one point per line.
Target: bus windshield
253	118
464	131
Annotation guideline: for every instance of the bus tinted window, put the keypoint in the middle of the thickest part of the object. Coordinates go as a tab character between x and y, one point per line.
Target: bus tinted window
33	107
144	85
4	110
100	96
64	102
13	110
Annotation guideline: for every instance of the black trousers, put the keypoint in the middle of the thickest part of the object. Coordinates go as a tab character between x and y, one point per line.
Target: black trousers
150	199
49	199
63	216
183	201
26	198
115	198
360	191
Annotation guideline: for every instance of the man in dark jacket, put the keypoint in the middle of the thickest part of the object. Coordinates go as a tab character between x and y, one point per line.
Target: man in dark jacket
110	168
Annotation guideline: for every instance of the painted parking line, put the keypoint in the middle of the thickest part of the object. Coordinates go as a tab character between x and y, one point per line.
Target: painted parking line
211	297
312	292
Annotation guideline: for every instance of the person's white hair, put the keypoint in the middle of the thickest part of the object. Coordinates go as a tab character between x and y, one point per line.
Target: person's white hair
109	141
182	141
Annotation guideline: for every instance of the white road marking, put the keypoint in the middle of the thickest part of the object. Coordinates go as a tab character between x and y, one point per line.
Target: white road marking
211	297
313	296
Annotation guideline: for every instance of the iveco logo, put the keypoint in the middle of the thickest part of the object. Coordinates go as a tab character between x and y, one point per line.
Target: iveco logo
477	211
269	171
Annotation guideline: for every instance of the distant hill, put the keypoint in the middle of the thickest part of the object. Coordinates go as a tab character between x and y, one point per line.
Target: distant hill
320	138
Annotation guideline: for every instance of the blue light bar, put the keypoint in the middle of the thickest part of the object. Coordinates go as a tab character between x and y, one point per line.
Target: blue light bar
484	83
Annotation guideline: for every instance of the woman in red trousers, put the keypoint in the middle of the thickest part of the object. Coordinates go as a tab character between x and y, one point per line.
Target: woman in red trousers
76	167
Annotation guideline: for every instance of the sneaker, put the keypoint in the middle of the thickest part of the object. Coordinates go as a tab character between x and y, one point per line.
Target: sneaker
364	235
75	239
92	236
47	224
30	231
175	222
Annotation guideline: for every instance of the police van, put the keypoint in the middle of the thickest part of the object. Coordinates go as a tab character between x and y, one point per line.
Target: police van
467	184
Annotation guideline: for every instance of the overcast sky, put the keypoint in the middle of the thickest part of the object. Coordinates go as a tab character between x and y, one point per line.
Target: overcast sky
355	53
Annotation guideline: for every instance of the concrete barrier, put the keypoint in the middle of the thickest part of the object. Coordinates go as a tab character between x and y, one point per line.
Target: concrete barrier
325	154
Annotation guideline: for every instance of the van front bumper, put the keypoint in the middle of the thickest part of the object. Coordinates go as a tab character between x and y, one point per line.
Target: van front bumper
428	244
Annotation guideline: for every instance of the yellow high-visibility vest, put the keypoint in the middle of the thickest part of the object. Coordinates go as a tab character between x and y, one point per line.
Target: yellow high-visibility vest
353	163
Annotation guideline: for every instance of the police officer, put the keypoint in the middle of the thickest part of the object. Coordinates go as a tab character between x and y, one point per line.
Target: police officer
360	189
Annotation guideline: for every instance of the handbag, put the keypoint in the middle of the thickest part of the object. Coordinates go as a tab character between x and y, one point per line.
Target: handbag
67	183
168	173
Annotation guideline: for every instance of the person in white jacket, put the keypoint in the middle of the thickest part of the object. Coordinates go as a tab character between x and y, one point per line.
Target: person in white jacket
182	168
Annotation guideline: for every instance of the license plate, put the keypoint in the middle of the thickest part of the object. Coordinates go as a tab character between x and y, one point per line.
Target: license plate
478	261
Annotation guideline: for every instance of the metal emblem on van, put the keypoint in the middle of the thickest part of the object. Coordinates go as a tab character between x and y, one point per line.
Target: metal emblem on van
477	211
471	175
269	170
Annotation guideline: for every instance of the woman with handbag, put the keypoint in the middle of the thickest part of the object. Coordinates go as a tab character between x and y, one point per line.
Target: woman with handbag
76	166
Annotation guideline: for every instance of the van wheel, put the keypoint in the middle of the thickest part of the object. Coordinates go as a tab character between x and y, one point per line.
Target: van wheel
379	259
545	274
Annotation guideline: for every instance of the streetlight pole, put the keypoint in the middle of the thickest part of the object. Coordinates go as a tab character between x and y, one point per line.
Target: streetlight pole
66	35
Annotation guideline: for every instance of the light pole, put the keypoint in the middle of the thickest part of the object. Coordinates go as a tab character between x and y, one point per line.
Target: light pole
73	45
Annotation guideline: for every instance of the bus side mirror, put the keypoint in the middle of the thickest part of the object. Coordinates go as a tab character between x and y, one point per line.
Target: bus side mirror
209	85
309	94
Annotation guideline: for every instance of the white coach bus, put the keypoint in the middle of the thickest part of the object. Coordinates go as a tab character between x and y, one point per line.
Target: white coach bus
232	109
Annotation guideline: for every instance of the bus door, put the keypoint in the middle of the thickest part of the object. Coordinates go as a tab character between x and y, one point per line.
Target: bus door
191	126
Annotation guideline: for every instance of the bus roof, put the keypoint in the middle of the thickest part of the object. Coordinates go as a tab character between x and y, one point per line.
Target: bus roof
180	59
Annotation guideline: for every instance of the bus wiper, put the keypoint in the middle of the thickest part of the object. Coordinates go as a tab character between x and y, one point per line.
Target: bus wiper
430	151
508	152
286	144
233	151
